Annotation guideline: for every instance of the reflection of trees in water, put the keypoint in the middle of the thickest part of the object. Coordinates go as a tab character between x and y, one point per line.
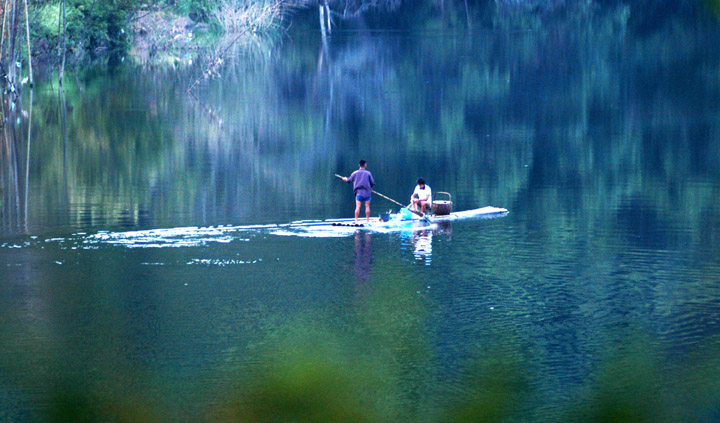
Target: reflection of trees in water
634	128
15	166
492	117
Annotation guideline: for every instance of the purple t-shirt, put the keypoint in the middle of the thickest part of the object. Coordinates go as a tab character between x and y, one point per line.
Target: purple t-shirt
362	181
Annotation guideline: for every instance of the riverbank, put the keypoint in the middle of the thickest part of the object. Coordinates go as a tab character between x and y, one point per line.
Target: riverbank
156	35
161	37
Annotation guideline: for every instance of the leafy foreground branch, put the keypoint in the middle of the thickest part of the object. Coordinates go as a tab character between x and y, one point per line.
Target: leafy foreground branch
384	369
324	382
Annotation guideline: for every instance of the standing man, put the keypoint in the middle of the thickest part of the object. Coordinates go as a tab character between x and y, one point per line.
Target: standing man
363	182
422	196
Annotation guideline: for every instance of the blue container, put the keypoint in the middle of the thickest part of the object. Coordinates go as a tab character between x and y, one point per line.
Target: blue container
405	214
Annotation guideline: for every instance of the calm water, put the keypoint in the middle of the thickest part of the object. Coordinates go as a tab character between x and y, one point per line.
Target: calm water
604	149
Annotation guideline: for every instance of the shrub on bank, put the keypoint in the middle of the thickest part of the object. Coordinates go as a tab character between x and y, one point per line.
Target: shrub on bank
91	27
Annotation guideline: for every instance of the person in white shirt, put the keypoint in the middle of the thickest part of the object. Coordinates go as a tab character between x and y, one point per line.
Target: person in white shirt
422	196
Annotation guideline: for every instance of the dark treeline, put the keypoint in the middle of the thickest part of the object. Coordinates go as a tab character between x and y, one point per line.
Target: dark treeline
72	31
88	28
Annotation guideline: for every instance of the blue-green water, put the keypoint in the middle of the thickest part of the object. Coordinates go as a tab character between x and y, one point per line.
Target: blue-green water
604	149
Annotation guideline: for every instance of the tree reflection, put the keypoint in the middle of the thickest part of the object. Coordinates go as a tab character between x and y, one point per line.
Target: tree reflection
497	118
15	152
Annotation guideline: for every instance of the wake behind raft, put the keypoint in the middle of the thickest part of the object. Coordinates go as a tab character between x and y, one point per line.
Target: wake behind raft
193	236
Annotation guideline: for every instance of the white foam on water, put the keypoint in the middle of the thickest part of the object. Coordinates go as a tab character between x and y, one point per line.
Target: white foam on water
223	262
189	236
194	236
312	234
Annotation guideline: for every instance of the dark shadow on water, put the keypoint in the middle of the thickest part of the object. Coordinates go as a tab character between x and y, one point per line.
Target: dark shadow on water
363	258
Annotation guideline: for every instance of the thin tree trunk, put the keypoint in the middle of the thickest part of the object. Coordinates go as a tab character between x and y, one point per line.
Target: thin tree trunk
64	46
322	22
2	34
29	51
12	33
327	16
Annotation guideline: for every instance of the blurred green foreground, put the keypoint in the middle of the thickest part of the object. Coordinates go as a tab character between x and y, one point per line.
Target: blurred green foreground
296	369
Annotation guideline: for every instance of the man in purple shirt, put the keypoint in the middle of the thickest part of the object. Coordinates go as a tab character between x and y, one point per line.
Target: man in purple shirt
363	182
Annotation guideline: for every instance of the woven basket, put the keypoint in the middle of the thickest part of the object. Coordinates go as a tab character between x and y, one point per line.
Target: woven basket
442	207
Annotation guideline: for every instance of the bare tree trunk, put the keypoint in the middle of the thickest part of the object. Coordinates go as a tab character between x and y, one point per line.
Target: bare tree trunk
322	22
64	46
29	51
2	34
325	22
12	47
327	16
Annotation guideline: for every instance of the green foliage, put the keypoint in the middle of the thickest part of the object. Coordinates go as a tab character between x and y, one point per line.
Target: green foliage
496	385
94	26
197	10
73	403
47	30
91	26
47	19
300	371
103	24
312	384
627	391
